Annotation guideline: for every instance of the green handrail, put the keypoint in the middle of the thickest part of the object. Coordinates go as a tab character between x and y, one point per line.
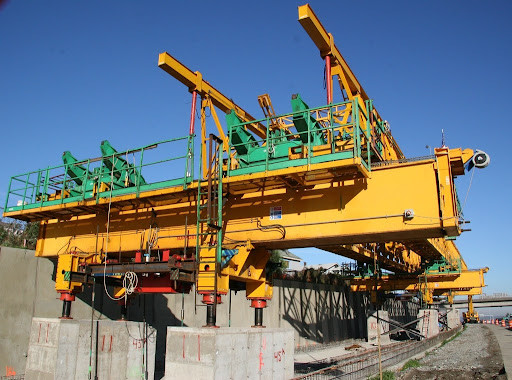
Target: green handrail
57	179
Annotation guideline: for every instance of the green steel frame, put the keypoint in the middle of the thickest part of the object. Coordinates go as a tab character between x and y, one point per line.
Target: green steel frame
102	177
357	133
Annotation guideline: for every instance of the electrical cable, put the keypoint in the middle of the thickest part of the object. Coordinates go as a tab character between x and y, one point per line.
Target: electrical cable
92	328
130	279
130	282
467	192
278	227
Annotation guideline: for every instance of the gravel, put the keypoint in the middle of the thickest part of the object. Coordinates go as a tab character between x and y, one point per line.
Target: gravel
474	354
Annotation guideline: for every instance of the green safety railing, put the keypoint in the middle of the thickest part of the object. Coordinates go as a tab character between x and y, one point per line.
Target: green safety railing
126	172
353	129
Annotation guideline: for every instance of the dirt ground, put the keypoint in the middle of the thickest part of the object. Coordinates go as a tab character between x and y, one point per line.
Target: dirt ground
474	354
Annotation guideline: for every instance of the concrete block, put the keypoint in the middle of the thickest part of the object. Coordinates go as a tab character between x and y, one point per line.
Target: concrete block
229	353
61	349
453	318
373	327
428	326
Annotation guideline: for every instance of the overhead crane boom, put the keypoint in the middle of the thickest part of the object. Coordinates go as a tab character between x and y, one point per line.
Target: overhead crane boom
325	43
194	81
336	65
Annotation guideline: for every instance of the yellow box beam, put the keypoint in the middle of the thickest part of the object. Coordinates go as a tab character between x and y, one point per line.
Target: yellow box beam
464	281
344	212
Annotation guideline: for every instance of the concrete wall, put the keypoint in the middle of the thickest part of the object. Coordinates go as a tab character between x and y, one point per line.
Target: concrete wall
317	313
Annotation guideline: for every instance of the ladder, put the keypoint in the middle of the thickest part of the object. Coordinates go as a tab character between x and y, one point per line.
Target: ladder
426	323
209	221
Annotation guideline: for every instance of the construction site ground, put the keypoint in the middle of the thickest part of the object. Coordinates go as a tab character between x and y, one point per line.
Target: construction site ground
474	354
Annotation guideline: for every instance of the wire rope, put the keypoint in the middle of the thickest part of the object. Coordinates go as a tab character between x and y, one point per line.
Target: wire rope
130	279
467	192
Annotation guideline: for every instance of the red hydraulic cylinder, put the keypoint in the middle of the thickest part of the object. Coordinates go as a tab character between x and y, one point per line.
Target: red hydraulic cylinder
258	304
328	78
66	299
193	113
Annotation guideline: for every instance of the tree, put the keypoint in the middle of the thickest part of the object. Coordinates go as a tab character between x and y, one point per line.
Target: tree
275	264
3	234
18	235
30	235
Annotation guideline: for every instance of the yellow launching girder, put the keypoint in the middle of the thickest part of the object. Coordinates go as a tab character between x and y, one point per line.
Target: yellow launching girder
405	256
391	256
451	293
427	285
405	208
399	202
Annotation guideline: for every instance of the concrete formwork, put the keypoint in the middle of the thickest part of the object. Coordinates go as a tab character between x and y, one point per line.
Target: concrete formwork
229	353
69	349
428	325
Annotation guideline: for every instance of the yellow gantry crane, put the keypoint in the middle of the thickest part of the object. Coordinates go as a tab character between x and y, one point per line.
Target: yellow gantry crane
331	177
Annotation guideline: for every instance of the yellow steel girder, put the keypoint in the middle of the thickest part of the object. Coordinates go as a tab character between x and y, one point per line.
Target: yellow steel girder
464	281
341	212
391	256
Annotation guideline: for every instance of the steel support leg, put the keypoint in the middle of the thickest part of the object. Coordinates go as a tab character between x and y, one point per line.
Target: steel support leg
258	305
211	309
66	299
211	316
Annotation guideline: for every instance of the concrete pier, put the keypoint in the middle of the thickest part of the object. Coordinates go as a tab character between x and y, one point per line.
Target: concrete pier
428	326
374	328
63	349
229	353
453	318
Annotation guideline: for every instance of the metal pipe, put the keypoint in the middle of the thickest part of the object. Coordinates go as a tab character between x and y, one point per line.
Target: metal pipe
209	174
328	78
258	317
193	113
66	309
211	315
124	312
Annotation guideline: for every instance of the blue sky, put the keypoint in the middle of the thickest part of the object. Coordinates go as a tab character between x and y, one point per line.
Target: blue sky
75	73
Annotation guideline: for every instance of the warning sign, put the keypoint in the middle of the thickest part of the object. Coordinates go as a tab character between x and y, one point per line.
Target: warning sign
276	213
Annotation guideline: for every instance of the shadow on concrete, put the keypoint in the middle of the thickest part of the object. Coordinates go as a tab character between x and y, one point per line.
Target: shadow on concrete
152	308
324	313
402	311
